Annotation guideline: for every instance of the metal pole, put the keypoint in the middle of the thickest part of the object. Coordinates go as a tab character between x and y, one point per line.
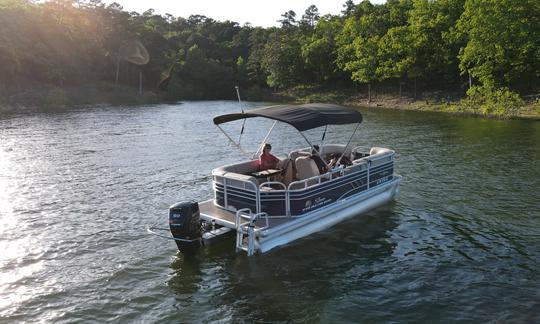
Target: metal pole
311	145
239	100
140	83
312	148
322	140
242	109
349	142
233	142
265	138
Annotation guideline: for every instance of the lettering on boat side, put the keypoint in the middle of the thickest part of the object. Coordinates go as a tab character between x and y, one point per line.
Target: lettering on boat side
318	202
381	180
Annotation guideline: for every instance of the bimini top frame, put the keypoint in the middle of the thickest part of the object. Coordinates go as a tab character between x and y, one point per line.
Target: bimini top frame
301	117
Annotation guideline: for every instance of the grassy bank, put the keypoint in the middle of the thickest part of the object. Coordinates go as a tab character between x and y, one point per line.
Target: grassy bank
37	98
429	101
43	97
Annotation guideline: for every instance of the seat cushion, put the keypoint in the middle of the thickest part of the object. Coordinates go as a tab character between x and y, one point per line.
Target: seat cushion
306	168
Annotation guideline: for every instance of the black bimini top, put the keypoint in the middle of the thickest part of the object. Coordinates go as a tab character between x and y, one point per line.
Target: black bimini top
301	117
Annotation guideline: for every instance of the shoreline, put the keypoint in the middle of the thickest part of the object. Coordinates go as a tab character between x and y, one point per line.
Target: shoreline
428	103
528	112
56	98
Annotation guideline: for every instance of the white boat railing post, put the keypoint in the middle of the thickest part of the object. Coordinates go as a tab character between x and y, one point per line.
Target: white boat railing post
287	203
368	170
246	230
225	198
257	200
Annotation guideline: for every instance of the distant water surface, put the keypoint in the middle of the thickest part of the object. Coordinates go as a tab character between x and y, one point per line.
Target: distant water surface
461	242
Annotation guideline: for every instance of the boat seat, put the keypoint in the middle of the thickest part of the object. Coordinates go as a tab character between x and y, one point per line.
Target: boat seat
377	150
327	149
378	156
296	154
336	149
246	167
239	173
306	168
358	165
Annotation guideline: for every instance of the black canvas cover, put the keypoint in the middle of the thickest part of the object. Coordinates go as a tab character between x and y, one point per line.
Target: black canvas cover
301	117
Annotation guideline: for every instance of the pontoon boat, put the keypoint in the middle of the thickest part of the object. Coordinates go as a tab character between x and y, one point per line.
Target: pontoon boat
265	211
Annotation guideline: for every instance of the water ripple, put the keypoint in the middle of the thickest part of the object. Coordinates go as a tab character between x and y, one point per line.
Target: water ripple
78	187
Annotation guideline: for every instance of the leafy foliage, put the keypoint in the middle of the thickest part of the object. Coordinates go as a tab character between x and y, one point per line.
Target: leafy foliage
490	47
487	100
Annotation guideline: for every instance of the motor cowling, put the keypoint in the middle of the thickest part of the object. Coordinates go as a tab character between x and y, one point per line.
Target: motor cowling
185	225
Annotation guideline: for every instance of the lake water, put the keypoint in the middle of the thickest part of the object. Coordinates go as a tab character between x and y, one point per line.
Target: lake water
461	242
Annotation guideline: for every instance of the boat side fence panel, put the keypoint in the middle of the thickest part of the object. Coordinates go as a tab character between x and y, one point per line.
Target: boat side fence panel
307	195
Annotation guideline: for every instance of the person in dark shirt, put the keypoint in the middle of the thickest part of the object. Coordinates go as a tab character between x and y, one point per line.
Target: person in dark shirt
315	156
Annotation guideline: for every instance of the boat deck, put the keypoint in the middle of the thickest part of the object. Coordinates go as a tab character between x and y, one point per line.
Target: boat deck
209	211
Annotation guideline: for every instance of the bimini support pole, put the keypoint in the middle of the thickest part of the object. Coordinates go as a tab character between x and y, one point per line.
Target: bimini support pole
265	138
322	140
242	109
233	142
349	142
313	148
311	145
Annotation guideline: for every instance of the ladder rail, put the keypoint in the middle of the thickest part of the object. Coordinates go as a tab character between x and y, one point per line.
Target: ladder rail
246	232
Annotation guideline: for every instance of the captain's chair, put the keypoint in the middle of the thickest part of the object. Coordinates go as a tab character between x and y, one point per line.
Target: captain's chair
306	168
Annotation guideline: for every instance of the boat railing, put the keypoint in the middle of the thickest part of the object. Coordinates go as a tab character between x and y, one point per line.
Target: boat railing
303	184
251	218
246	231
239	182
269	184
245	183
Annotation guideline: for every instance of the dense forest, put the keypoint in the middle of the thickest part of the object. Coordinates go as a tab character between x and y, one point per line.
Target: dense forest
486	49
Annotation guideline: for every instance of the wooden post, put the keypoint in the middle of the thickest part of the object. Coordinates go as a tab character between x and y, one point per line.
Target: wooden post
400	91
140	83
415	87
117	71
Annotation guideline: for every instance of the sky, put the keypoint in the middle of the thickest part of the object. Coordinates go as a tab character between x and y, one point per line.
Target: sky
256	12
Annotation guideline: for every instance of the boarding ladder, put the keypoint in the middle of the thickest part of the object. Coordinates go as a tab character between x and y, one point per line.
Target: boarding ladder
245	229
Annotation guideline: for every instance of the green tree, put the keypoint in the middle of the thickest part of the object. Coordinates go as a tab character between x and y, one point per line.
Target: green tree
310	17
358	42
431	25
348	8
289	19
502	43
282	60
319	49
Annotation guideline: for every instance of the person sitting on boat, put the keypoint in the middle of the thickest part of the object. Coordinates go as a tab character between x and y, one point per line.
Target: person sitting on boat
316	157
335	161
268	161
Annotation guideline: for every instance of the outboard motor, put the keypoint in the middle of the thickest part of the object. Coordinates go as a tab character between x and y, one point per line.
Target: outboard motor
185	224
